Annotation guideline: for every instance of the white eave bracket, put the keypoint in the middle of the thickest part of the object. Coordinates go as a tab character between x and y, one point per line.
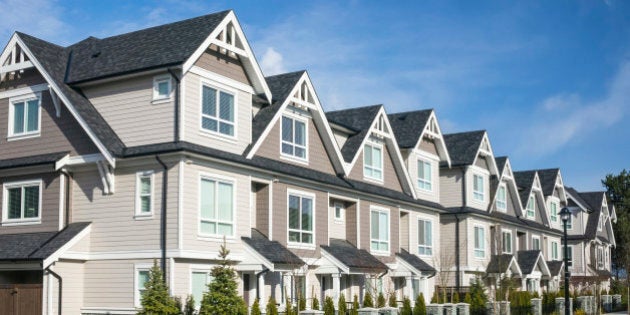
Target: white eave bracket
56	101
107	177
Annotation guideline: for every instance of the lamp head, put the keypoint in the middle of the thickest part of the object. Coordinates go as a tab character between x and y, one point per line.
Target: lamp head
565	214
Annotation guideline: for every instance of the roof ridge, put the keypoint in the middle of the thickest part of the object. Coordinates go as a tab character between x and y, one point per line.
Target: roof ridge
39	39
354	108
466	132
412	111
285	74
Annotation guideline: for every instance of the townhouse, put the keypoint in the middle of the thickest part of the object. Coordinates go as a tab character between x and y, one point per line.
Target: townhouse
164	143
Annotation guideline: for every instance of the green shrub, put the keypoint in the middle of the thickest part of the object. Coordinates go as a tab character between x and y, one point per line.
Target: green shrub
520	303
406	308
455	298
341	304
256	308
419	307
189	307
367	300
380	300
272	308
222	296
355	305
289	307
329	306
155	299
315	303
391	300
436	297
467	298
301	303
478	297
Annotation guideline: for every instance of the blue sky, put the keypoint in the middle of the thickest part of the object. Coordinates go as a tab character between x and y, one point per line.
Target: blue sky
549	80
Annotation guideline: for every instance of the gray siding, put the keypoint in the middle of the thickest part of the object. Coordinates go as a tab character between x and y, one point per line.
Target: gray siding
72	274
351	223
451	186
262	207
394	223
390	177
428	145
222	64
336	227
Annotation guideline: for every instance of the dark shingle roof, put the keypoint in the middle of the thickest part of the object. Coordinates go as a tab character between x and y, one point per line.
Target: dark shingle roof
576	195
353	257
154	47
501	162
499	263
555	267
53	59
594	201
524	181
503	217
43	159
415	261
358	120
37	246
280	86
463	147
548	180
408	126
271	250
527	260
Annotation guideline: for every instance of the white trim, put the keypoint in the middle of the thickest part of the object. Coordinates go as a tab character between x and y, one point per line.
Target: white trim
438	137
205	74
199	268
425	218
138	197
16	67
109	310
379	146
78	160
536	237
342	211
503	233
301	194
476	174
503	186
294	117
180	205
62	199
24	99
218	90
5	202
483	240
137	267
531	197
217	179
157	98
423	160
33	89
379	209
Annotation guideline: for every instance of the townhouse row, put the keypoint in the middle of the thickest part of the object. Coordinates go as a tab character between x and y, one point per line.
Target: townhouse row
162	144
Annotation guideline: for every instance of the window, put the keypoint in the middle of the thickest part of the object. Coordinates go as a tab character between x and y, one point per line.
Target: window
536	243
424	175
554	250
501	199
570	222
144	193
379	230
22	202
478	192
293	137
373	162
216	208
600	258
530	210
339	210
301	219
25	116
199	284
480	242
161	88
425	237
570	255
553	206
217	111
142	277
507	242
600	224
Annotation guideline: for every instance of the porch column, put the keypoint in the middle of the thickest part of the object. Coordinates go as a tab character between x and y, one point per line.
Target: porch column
409	289
336	288
261	290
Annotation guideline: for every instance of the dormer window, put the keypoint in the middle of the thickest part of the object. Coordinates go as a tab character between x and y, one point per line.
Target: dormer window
373	161
294	137
530	210
380	124
502	198
217	111
424	175
24	116
478	189
161	88
553	208
600	225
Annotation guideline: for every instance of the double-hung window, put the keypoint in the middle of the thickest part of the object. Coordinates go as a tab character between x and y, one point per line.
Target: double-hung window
142	277
507	242
425	238
161	88
217	111
199	280
553	208
339	210
373	161
424	175
144	193
480	242
501	199
535	243
22	202
379	234
478	189
530	210
301	219
554	250
216	207
24	116
294	137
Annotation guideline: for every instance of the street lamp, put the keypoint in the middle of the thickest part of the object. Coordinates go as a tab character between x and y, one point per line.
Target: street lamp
565	215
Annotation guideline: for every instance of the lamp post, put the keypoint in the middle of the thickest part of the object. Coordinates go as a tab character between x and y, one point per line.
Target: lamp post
565	214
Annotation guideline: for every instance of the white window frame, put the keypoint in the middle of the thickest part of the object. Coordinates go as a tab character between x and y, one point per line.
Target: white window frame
5	203
199	269
157	98
303	120
557	253
570	247
531	200
479	195
423	182
217	179
554	216
534	239
389	232
503	233
570	221
136	289
381	169
301	194
342	210
139	176
219	88
501	205
600	257
600	223
482	242
428	247
19	99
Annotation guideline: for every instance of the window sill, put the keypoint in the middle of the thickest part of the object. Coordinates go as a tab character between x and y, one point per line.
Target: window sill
380	253
143	217
295	159
373	180
23	136
218	136
301	246
216	238
161	100
339	221
21	222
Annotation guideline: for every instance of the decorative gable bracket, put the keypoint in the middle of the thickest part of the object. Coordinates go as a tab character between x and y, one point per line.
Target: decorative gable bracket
14	60
107	177
56	101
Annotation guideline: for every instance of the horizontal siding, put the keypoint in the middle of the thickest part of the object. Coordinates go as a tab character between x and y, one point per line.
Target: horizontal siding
72	274
336	227
221	64
394	221
127	106
390	177
451	187
412	168
50	203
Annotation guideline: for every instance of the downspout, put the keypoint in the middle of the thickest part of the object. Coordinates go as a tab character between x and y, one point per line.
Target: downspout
67	197
258	275
457	238
59	297
163	216
176	119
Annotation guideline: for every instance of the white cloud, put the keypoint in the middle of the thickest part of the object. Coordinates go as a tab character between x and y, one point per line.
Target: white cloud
40	18
272	62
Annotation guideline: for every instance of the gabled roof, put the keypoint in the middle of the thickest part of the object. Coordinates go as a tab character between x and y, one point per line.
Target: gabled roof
272	251
548	180
594	201
575	196
408	126
352	257
500	264
525	182
416	262
555	267
501	163
529	259
358	120
463	147
42	159
155	47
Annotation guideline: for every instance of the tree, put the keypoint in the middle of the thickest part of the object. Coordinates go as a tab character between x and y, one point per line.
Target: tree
222	295
315	303
155	299
341	304
380	300
618	191
478	297
420	308
406	308
355	306
256	308
189	307
367	300
329	306
455	298
391	301
272	308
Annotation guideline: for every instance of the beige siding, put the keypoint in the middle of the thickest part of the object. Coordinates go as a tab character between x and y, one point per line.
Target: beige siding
57	134
390	177
451	186
351	223
317	156
444	259
262	208
412	167
475	264
403	232
127	106
394	222
414	218
222	64
336	227
428	145
49	211
191	128
72	274
115	227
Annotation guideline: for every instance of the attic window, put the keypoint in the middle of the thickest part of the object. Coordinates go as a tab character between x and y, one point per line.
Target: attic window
600	225
380	124
531	207
162	88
